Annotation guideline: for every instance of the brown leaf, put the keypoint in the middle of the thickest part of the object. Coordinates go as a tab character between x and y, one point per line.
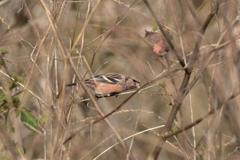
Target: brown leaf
160	48
151	34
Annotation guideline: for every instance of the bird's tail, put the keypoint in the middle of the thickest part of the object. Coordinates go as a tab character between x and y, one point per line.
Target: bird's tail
72	84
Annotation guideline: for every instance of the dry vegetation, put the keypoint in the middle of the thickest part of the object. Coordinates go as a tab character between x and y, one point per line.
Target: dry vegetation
187	108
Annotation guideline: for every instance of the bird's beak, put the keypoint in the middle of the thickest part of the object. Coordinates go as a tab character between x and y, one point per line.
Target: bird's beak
138	85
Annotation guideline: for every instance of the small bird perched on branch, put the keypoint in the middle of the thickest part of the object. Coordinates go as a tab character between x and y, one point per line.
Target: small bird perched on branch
110	84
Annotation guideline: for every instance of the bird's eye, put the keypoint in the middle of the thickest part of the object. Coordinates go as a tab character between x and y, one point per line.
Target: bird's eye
134	80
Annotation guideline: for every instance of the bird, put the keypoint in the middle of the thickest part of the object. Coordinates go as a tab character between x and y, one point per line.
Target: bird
160	48
110	84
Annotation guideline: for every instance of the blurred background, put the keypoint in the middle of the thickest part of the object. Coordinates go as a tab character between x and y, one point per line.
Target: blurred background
38	113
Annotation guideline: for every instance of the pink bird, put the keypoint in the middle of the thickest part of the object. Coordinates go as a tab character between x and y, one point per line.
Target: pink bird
110	84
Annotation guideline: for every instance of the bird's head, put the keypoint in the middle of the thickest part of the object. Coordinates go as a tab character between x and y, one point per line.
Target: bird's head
132	82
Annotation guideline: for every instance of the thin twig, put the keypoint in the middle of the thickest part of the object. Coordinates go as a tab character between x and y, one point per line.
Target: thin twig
203	117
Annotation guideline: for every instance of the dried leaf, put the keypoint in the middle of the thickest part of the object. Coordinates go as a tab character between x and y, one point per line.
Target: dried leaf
160	48
151	34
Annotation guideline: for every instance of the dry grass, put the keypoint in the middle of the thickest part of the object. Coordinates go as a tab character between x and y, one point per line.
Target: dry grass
44	37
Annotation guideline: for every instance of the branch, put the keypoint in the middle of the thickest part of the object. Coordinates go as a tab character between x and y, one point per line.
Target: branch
202	118
165	35
188	72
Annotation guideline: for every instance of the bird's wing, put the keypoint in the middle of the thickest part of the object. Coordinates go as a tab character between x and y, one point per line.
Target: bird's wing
111	78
